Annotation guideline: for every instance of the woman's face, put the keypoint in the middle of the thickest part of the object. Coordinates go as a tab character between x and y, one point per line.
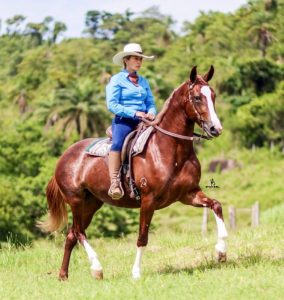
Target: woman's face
133	63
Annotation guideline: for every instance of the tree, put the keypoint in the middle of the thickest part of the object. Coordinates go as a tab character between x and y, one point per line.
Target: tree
78	107
35	31
58	29
92	22
270	5
261	121
261	32
13	24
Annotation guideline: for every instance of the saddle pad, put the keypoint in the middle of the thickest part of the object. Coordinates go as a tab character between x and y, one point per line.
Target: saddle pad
101	146
141	141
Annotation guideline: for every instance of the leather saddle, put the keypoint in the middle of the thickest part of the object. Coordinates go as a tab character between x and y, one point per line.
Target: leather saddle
137	138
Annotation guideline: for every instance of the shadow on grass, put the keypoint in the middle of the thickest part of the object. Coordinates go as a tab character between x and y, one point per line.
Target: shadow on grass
212	264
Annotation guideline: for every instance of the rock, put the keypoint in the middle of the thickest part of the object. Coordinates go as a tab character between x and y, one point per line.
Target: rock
222	165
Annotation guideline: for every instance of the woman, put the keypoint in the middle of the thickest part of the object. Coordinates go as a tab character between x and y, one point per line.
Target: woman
129	98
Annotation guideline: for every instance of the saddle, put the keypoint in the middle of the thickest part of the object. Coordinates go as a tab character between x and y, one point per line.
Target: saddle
133	145
101	146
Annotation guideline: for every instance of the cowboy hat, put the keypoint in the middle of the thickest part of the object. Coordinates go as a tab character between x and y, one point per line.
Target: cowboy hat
130	49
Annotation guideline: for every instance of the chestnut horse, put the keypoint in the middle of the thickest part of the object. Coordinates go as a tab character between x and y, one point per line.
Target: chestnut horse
165	172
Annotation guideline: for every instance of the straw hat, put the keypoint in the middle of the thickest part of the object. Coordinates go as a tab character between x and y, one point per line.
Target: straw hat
130	49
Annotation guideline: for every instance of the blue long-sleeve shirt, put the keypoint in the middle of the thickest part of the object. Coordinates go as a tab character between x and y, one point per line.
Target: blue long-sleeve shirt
124	98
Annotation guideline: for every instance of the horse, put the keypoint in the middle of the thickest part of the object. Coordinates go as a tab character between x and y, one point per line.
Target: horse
166	171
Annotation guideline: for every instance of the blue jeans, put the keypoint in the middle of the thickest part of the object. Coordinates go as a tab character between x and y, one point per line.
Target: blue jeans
121	127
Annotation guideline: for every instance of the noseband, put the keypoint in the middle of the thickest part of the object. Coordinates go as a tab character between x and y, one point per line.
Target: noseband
195	137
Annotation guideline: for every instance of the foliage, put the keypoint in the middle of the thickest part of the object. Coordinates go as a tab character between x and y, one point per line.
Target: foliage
255	77
52	92
260	122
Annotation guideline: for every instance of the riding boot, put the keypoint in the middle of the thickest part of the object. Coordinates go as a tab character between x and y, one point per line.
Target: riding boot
114	162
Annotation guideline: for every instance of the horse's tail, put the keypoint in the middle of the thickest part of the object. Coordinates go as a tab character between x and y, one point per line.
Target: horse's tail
57	214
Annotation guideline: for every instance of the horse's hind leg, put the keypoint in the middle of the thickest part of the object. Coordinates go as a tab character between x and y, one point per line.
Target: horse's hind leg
199	199
89	210
70	242
83	212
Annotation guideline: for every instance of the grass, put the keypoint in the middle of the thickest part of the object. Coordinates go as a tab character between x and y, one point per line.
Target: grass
178	263
180	266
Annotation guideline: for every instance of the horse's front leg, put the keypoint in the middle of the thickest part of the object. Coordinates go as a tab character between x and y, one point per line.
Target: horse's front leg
199	199
146	214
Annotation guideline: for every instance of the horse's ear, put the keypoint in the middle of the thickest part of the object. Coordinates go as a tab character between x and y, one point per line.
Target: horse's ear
193	74
209	74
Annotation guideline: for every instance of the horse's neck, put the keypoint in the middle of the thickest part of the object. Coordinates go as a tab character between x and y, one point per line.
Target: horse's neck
175	121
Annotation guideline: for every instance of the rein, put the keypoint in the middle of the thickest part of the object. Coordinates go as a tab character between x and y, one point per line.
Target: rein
195	137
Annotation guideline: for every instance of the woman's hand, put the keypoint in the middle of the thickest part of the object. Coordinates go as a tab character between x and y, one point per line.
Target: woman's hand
140	114
150	117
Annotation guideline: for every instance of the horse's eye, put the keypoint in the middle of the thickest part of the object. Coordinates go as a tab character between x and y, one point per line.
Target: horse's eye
197	98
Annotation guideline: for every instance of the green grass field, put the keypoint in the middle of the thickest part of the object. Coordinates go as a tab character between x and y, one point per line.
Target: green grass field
175	266
178	263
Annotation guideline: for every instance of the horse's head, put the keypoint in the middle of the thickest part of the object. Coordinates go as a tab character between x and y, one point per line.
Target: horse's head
200	103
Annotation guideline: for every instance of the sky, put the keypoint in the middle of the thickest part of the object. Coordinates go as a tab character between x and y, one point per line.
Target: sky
72	12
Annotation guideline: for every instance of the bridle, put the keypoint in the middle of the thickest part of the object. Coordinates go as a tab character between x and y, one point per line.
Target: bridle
195	137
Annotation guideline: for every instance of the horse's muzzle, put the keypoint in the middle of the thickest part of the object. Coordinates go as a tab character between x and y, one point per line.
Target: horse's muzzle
211	130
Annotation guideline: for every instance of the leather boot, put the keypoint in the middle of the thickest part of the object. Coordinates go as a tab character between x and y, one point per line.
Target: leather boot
114	162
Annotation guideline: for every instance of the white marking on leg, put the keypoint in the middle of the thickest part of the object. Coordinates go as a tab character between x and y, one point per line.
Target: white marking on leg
205	90
222	235
93	257
136	270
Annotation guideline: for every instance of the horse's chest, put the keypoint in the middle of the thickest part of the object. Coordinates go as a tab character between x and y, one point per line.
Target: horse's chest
178	182
186	178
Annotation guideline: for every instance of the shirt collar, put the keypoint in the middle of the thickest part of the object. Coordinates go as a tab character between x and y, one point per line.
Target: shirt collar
126	73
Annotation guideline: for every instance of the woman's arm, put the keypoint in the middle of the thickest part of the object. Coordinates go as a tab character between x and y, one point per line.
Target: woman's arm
150	103
113	94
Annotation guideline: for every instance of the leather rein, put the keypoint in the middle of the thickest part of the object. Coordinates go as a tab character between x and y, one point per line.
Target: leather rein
195	137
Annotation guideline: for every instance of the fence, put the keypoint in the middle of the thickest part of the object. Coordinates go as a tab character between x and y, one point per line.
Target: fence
254	210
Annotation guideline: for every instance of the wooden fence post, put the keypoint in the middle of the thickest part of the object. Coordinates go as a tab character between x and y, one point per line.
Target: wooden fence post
204	221
232	217
255	215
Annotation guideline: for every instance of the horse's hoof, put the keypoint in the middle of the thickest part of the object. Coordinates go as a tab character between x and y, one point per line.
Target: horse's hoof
221	257
97	274
62	277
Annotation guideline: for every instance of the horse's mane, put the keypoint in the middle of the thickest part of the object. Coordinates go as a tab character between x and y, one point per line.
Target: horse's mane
161	114
166	105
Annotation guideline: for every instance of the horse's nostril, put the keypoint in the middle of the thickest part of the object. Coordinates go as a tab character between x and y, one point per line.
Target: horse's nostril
214	131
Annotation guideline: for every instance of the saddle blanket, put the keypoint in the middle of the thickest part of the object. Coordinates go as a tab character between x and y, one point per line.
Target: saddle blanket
101	146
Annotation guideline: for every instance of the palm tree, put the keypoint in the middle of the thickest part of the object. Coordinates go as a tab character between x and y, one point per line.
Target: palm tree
58	28
78	107
261	32
270	5
14	24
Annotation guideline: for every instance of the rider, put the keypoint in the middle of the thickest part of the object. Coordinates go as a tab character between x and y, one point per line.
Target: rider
129	97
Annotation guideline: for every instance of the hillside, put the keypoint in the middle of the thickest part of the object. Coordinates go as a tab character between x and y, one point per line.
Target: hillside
52	93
